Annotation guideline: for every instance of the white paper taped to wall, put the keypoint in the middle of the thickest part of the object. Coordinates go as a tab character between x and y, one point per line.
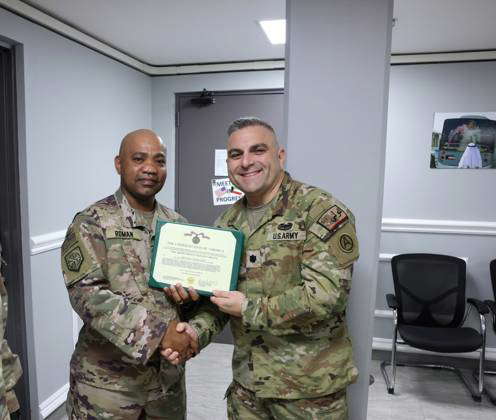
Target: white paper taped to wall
220	162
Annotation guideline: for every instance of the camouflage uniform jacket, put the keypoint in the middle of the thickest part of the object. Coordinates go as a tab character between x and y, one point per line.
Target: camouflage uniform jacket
10	369
105	262
291	341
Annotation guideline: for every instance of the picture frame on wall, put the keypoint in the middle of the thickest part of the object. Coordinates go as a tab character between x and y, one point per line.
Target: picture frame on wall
463	140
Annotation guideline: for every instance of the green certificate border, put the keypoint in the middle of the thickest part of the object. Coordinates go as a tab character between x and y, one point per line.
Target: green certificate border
238	236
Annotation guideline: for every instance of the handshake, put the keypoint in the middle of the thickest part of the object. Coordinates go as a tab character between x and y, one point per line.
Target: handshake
180	343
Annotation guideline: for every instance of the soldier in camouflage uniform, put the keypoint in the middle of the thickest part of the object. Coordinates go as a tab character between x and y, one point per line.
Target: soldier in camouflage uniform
10	366
116	370
292	356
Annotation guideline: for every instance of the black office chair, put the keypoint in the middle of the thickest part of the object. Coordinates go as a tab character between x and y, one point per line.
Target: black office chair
429	311
492	306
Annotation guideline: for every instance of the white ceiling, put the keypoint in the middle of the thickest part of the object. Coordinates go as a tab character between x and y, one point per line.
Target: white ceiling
165	32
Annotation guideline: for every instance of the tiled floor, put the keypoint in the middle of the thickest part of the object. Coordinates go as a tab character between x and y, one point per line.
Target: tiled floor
421	394
426	394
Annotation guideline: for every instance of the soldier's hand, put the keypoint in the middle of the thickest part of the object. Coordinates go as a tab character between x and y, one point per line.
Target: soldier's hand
229	302
174	340
180	295
176	357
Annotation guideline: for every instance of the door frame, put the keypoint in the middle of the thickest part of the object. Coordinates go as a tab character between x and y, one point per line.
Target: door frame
179	95
17	238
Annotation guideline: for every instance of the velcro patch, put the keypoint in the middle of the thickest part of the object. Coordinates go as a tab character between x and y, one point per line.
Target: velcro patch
333	218
292	235
74	259
111	233
76	263
344	245
253	258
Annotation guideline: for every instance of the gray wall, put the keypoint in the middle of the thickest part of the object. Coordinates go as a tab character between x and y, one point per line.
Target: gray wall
78	105
164	102
417	91
414	191
336	115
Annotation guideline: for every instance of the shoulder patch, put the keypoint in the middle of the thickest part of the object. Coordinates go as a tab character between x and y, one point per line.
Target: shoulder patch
74	259
344	245
333	218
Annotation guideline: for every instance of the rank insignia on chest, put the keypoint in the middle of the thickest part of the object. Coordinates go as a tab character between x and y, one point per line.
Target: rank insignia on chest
333	218
253	258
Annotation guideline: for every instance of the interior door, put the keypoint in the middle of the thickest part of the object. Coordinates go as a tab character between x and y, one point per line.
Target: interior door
10	223
201	128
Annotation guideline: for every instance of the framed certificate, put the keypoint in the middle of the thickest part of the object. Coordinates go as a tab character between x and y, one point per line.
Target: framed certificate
202	257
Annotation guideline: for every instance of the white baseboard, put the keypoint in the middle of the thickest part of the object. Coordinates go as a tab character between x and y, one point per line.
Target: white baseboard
386	343
54	401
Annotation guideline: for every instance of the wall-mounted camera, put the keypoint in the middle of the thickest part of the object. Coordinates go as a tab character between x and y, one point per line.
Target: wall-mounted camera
206	98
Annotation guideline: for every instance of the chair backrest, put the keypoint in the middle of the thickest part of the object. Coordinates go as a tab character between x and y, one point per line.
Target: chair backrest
492	269
430	289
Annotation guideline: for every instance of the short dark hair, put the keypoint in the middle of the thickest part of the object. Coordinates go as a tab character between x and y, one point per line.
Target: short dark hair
248	122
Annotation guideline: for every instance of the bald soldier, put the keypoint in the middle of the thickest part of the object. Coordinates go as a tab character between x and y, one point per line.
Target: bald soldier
116	370
292	354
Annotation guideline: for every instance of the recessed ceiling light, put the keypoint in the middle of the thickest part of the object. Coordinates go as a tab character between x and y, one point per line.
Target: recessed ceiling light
275	30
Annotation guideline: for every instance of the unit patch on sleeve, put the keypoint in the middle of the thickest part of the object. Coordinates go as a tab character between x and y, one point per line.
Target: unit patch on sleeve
74	259
344	245
333	218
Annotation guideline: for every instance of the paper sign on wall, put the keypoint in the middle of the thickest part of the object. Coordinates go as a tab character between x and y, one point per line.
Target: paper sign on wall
220	162
224	193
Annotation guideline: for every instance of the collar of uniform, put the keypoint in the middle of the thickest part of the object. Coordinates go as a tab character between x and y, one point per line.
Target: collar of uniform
131	218
282	200
277	209
161	213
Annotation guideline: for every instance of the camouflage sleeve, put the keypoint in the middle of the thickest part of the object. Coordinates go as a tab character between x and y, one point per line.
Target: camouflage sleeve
3	401
327	258
208	322
135	329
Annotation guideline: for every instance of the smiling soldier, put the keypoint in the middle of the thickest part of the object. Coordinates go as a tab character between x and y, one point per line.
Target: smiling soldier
292	353
116	370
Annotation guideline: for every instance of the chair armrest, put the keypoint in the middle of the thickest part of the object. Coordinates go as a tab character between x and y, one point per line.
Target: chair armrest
479	305
391	301
491	304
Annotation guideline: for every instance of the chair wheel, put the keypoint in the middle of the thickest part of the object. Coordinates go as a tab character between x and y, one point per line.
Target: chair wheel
391	391
477	398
